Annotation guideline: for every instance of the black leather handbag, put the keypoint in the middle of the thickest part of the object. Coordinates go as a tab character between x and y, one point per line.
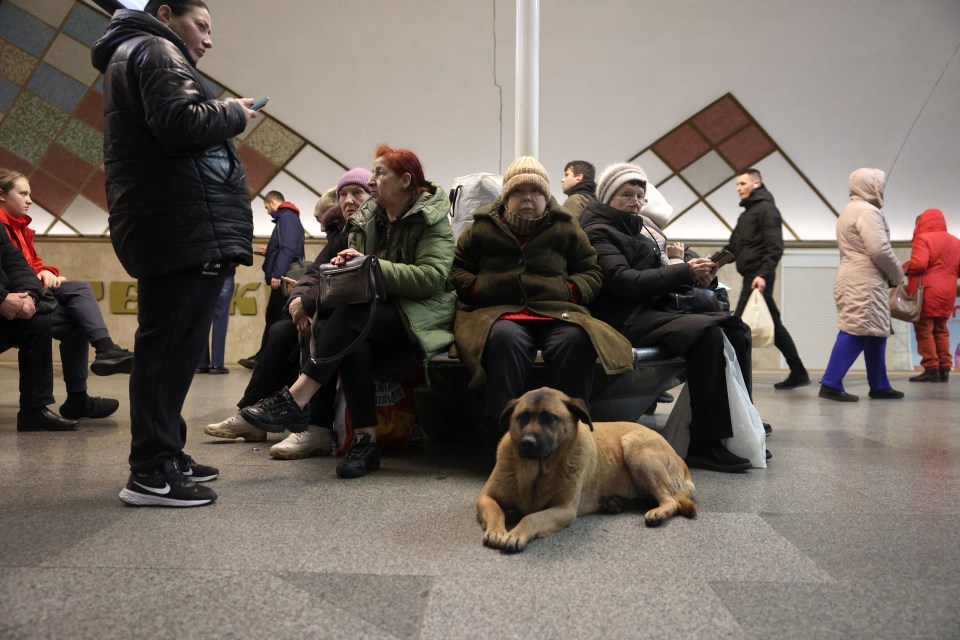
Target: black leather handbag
358	281
688	299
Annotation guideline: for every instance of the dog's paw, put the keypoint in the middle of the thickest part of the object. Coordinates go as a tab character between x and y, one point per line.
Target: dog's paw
503	541
653	519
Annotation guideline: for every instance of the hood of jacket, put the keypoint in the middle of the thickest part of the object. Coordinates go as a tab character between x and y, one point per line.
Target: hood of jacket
431	206
929	221
284	205
588	187
127	24
867	185
760	194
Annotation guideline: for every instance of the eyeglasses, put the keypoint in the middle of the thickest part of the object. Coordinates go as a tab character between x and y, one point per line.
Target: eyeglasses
632	199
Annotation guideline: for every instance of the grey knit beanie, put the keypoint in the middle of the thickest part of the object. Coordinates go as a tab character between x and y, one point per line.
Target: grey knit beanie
617	175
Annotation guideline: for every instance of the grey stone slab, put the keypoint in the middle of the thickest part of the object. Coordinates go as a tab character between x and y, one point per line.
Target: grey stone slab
876	546
518	605
858	609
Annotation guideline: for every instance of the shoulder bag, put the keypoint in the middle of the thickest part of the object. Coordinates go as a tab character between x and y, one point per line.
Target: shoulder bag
358	281
904	306
688	299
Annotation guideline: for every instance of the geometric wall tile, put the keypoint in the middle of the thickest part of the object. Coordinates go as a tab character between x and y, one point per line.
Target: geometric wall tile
71	57
67	167
50	11
50	192
15	162
57	87
83	141
746	148
41	219
654	167
698	223
274	141
677	194
707	172
24	30
86	217
22	141
61	229
39	115
8	91
262	222
681	146
85	24
720	119
259	169
90	110
808	216
726	202
16	65
96	189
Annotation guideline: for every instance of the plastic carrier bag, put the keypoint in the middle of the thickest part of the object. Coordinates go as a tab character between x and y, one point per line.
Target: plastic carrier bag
396	418
468	194
756	315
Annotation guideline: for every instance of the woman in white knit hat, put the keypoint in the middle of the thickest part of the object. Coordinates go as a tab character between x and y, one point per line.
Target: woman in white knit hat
524	271
639	266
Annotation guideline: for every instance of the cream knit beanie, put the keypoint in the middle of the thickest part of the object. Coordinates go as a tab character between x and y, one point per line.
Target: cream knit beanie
526	170
615	176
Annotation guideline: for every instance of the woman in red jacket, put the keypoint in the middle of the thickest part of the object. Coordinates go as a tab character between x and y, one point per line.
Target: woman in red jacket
934	259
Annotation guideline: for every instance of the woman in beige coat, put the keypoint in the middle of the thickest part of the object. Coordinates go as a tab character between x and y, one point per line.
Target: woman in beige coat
868	268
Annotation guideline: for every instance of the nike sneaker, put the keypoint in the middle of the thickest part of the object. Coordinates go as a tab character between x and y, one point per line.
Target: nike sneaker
165	486
192	470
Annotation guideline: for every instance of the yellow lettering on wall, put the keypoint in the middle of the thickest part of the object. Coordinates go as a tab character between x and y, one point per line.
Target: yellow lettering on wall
241	303
123	297
97	289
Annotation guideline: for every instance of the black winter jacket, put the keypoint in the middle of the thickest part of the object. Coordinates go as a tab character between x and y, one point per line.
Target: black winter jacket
16	274
633	273
176	189
757	240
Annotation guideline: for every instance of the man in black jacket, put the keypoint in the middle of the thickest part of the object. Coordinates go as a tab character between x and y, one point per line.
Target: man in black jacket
22	327
757	242
180	221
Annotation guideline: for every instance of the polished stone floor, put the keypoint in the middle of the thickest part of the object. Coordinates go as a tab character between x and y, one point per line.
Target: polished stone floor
852	532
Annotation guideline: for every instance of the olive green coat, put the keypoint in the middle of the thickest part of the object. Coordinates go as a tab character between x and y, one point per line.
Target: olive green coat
495	276
415	265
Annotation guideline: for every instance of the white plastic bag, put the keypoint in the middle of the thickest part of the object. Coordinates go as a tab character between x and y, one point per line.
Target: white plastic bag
756	315
749	439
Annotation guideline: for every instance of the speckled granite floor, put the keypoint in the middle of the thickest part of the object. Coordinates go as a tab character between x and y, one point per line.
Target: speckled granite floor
851	533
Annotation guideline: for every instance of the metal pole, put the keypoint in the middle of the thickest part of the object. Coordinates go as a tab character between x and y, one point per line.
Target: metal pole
527	116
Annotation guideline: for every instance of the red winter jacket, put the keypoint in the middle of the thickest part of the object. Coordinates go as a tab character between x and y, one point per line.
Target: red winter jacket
936	257
22	236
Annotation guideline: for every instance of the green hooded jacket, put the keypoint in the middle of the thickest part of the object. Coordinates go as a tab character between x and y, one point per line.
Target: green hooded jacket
415	265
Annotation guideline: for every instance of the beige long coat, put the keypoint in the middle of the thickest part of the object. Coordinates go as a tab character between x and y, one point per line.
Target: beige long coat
868	266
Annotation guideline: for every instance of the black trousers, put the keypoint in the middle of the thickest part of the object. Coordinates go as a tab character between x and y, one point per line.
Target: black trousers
360	367
77	322
174	315
273	314
781	337
511	349
34	342
279	366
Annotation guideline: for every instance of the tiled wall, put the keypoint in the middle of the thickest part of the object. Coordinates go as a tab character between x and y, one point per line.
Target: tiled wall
51	125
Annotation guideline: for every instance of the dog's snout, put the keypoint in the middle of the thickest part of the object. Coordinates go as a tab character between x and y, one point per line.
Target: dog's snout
528	443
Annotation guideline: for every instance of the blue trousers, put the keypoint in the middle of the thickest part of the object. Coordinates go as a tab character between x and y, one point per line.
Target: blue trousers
77	322
846	350
213	354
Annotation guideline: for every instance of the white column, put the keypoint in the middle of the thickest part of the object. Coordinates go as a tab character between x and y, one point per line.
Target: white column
527	116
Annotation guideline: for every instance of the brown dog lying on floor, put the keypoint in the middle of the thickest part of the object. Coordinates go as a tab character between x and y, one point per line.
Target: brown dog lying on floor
554	464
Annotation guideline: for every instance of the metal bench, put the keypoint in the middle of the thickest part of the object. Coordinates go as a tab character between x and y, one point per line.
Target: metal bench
446	409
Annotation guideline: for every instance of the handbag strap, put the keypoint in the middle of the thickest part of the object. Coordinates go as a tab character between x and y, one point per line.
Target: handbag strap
363	332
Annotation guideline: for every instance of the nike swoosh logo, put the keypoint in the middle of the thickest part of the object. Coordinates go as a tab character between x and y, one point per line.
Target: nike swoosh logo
187	472
160	491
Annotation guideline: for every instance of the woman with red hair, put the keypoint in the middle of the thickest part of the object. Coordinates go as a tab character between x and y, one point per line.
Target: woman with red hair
405	225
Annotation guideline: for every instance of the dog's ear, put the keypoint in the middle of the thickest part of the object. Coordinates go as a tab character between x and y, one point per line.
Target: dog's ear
507	414
578	409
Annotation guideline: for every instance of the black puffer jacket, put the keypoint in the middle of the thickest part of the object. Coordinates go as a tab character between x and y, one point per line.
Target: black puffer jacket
176	188
757	240
16	274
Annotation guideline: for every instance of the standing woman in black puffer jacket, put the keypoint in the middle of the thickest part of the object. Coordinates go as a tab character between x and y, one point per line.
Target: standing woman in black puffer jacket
180	221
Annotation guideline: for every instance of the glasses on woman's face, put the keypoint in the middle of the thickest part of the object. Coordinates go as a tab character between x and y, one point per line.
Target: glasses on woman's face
631	199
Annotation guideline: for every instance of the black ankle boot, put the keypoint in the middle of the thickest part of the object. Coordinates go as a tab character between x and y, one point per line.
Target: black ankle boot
930	374
944	374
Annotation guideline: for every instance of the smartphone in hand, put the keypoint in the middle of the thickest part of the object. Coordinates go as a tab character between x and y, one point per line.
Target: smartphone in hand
722	257
259	104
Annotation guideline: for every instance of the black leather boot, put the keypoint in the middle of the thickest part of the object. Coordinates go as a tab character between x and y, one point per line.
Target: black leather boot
944	374
930	374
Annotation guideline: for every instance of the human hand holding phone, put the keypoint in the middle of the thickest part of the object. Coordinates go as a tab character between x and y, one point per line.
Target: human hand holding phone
722	257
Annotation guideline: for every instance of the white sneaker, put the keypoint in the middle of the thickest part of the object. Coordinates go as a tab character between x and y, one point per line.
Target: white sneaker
235	427
315	441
